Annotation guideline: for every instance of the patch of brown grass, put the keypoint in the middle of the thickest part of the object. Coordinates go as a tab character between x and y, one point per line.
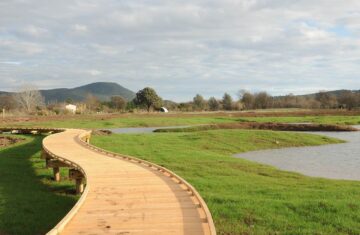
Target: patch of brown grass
7	141
253	113
285	126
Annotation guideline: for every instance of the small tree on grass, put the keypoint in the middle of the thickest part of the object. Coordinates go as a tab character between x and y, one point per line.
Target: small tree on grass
247	99
199	102
227	102
118	103
214	105
148	98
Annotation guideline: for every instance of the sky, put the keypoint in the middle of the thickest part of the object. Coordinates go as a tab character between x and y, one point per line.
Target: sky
180	47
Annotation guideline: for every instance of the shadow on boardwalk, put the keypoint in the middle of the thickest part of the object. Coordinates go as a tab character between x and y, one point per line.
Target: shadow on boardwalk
27	205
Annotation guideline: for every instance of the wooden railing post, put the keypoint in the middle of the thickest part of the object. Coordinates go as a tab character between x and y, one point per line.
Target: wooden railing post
79	179
79	186
56	171
53	163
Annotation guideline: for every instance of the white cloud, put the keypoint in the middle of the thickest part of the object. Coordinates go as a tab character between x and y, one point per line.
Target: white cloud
184	47
11	62
94	72
80	28
18	47
35	31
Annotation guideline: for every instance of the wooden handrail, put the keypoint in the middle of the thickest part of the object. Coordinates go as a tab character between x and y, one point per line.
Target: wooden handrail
83	139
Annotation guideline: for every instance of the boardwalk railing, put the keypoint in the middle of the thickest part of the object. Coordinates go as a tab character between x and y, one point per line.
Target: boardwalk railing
83	139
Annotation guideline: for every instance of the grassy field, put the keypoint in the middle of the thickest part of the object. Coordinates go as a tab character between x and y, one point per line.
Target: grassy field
154	120
126	121
246	197
30	202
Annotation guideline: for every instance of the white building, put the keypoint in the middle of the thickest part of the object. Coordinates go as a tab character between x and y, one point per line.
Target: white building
71	108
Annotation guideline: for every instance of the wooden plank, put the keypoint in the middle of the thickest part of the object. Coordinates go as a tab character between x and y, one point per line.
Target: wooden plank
125	196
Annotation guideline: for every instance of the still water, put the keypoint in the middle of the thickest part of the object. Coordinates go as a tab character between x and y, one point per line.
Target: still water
336	161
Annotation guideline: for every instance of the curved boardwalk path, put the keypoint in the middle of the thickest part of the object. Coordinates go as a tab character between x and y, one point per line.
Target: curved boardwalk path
125	195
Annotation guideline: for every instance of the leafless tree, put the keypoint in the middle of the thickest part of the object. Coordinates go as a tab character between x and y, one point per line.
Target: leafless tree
263	100
28	98
349	99
92	102
326	99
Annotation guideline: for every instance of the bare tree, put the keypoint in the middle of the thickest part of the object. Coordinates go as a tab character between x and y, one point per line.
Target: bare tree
92	102
326	99
28	97
349	100
262	100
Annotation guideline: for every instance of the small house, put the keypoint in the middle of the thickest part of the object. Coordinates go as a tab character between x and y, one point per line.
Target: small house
71	108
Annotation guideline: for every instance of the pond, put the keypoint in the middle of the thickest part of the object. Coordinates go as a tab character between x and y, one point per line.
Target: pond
337	161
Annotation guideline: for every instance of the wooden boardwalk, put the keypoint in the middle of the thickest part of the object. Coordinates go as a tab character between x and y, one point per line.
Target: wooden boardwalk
125	195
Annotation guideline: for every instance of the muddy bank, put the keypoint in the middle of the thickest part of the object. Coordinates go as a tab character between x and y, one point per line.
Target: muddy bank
264	126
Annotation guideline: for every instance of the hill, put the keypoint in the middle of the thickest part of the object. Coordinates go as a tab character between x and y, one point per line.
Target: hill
102	90
336	93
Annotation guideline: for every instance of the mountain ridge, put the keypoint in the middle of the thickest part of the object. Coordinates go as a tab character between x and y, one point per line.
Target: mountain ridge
102	90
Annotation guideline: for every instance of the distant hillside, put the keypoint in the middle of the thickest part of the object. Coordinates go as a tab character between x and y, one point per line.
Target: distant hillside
336	93
102	90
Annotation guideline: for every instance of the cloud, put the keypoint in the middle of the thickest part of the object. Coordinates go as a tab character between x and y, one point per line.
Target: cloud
11	62
94	72
183	47
20	48
80	28
35	31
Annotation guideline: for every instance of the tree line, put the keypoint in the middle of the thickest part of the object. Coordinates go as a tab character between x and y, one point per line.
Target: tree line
30	100
246	100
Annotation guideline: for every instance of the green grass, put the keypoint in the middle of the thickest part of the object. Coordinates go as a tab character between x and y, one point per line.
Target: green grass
127	122
30	202
246	197
168	120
